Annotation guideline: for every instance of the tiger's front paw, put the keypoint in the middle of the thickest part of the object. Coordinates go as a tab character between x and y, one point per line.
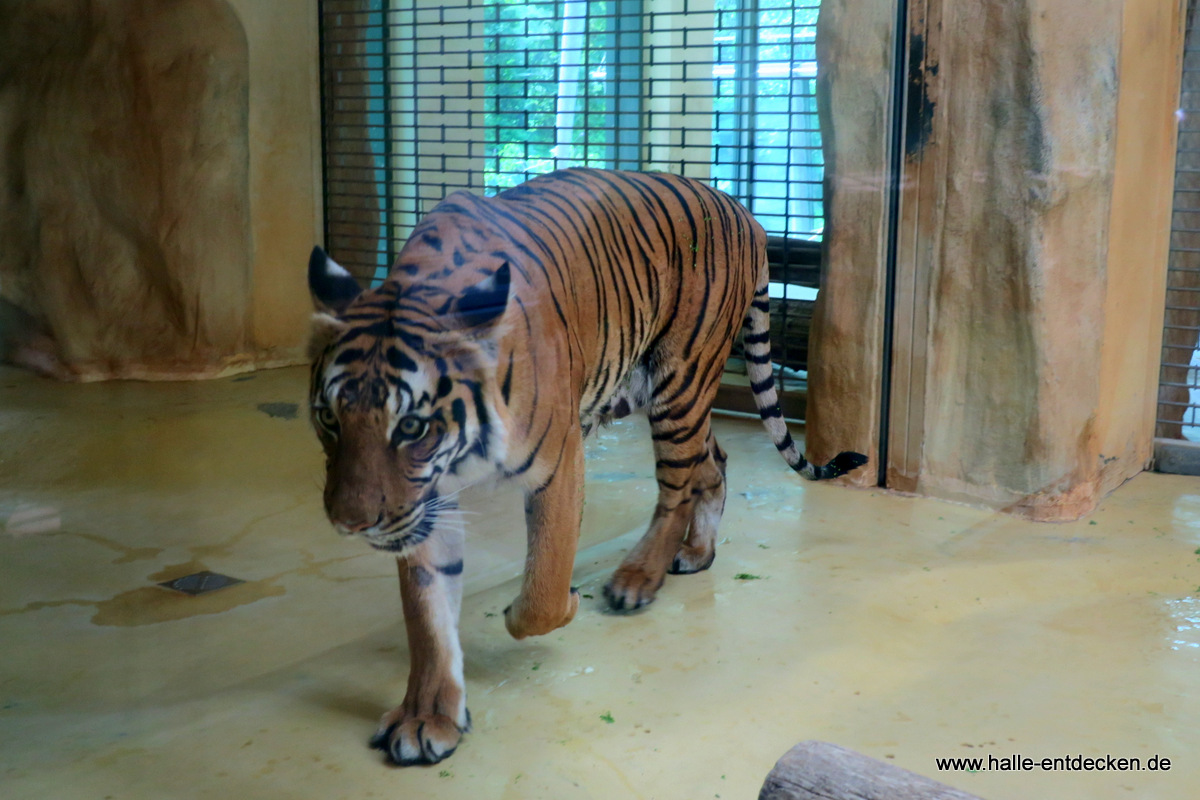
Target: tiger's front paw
410	739
632	587
525	618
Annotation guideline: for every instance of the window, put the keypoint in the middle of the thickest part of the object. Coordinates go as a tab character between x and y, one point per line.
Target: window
562	87
767	144
422	98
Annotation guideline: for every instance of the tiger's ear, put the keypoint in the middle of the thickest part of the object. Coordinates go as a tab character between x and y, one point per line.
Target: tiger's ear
325	329
482	304
332	287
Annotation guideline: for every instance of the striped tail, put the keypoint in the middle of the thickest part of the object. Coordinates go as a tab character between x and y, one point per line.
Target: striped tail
757	340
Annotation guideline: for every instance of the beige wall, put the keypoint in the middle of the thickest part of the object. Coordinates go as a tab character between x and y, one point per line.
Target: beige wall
285	170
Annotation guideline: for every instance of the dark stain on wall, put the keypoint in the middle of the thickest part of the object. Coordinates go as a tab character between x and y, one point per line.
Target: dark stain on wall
919	116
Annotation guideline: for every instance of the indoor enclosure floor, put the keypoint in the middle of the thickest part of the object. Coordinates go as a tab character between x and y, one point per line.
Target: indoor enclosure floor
906	629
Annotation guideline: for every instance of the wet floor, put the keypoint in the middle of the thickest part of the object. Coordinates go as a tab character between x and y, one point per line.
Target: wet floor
909	630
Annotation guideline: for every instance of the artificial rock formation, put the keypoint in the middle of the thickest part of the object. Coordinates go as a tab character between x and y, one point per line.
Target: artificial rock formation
123	188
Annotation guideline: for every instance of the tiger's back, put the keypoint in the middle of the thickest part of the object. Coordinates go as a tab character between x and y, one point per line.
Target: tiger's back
621	273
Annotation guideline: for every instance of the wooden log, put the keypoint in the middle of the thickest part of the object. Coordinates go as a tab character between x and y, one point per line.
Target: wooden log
823	771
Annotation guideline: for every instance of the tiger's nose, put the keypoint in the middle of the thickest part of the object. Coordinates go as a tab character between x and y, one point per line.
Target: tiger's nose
349	528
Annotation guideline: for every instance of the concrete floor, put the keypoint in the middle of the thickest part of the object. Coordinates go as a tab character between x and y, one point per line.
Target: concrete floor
905	629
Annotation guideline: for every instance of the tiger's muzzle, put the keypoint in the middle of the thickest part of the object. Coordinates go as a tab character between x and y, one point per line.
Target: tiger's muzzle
391	534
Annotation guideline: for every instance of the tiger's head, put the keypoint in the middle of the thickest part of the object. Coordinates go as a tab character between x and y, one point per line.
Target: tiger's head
400	396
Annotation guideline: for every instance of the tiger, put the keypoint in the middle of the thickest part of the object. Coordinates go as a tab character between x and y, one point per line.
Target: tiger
508	329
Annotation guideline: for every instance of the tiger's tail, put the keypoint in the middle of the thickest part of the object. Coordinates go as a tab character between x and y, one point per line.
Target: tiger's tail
757	340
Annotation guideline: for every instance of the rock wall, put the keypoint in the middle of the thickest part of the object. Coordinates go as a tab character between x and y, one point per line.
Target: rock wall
123	188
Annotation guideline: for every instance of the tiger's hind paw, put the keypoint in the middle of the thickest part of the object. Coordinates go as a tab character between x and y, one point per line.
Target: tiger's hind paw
689	560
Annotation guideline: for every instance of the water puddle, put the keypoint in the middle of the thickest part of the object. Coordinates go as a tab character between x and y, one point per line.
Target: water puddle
150	605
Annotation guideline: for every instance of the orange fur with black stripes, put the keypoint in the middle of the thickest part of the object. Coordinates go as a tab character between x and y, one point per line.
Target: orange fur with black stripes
507	330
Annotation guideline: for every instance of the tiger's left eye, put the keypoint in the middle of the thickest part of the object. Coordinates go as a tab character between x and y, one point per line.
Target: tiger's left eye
327	418
412	428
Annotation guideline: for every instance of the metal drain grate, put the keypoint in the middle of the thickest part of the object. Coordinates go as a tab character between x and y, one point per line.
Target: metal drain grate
200	582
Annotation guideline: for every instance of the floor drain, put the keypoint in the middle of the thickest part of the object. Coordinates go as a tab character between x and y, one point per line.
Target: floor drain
200	582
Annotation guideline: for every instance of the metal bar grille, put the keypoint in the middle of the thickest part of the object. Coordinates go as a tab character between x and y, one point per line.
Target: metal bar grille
424	98
1179	381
